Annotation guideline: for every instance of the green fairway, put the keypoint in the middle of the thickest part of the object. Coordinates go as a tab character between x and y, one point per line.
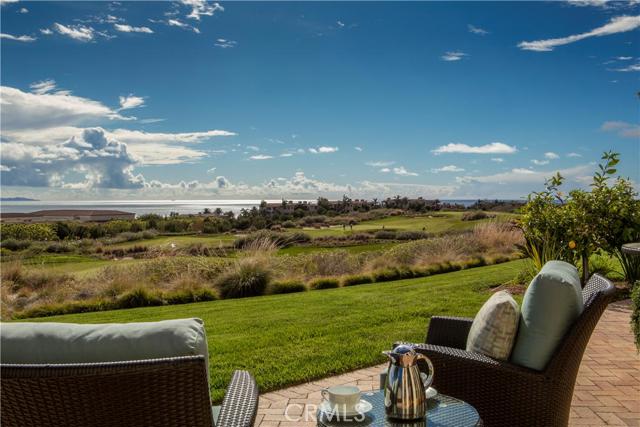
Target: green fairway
293	338
179	240
437	223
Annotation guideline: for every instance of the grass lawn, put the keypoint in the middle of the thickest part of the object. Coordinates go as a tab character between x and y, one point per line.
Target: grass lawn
179	240
354	249
442	222
294	338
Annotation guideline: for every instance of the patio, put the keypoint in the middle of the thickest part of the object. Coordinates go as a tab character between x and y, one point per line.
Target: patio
606	393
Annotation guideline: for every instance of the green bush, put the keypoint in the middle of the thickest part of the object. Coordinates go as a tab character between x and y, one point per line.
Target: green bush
286	287
28	232
358	279
59	248
635	314
475	216
386	275
247	279
324	283
385	235
140	297
411	235
189	295
15	245
281	240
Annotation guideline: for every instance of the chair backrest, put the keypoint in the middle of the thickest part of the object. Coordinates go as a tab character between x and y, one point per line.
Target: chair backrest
564	364
166	392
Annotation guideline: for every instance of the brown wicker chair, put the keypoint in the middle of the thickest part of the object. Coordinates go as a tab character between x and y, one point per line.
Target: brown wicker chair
171	392
506	394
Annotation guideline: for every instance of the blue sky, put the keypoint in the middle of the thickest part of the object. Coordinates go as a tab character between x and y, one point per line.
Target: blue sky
197	99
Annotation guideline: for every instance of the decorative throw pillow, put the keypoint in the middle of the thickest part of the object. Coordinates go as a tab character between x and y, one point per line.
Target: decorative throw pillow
550	306
494	328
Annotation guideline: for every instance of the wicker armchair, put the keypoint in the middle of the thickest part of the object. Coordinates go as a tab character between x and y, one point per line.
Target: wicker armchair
506	394
170	392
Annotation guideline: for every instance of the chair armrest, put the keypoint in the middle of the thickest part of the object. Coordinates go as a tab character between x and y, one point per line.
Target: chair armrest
240	403
449	331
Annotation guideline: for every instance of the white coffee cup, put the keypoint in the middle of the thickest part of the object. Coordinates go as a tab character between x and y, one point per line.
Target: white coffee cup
343	398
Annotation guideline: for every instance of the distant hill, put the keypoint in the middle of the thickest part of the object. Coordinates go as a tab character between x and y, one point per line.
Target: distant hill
17	199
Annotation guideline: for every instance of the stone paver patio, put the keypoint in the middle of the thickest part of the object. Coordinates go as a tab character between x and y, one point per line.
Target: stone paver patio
607	390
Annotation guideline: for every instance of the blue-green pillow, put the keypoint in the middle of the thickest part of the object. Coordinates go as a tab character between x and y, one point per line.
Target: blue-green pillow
552	302
42	343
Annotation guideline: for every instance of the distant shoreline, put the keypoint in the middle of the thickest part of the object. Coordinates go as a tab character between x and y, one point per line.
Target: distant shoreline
17	199
159	207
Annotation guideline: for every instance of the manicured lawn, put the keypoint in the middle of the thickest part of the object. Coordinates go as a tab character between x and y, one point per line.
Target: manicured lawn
437	223
179	240
294	338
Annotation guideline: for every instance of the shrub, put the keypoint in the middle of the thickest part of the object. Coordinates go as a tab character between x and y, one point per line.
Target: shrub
28	231
324	283
411	235
286	287
635	314
385	235
16	245
139	297
356	280
288	224
280	240
247	278
59	248
386	275
475	216
189	295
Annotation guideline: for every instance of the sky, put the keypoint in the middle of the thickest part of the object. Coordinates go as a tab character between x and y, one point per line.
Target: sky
268	100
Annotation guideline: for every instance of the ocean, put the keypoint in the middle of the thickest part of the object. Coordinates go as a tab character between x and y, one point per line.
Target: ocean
141	207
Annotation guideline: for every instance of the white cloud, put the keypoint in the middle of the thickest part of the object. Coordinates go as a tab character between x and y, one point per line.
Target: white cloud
583	3
385	170
140	137
358	149
225	44
492	148
449	168
5	2
616	25
180	24
32	110
628	68
572	154
103	162
623	129
497	159
540	162
46	31
477	30
286	155
43	86
124	28
261	157
130	101
340	23
379	164
211	170
624	58
402	171
152	120
24	39
201	8
551	155
323	150
77	32
23	10
453	56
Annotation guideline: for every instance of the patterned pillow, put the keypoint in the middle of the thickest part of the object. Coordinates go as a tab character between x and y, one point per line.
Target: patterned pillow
494	328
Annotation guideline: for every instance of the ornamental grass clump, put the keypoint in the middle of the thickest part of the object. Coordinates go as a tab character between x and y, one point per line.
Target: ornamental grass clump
324	283
286	287
357	279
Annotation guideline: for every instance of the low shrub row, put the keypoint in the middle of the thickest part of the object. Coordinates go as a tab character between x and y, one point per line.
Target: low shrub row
140	297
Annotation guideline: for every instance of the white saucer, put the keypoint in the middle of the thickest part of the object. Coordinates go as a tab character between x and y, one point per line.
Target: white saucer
361	407
431	393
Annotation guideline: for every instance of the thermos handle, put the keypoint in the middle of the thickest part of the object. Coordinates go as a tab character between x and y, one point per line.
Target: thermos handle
427	383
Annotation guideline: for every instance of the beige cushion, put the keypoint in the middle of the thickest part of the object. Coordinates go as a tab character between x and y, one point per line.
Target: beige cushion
48	342
494	328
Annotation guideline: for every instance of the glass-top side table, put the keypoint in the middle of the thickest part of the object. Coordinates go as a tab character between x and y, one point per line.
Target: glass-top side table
442	411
